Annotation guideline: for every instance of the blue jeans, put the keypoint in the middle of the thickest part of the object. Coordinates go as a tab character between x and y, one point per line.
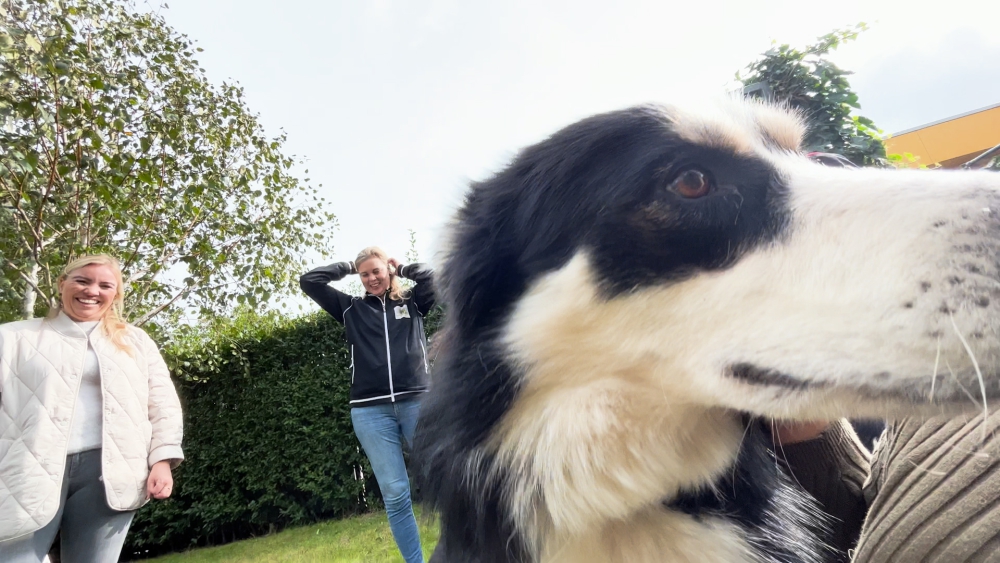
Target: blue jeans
382	429
91	531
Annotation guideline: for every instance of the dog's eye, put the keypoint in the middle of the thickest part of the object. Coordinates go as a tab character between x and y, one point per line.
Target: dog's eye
691	184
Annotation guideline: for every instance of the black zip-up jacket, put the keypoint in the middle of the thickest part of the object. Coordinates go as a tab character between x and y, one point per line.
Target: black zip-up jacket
386	337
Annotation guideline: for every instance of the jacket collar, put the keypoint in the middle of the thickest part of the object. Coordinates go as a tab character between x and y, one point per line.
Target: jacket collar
67	326
382	298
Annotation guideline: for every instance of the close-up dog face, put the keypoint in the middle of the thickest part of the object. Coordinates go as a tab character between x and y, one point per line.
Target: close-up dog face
627	291
732	269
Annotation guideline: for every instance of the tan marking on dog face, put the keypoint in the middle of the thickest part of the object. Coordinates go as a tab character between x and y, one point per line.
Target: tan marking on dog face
785	129
713	129
743	128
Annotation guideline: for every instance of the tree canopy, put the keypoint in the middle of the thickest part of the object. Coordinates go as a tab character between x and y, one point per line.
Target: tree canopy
808	81
112	139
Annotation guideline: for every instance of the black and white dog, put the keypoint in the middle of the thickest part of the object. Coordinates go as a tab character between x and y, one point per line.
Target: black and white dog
628	297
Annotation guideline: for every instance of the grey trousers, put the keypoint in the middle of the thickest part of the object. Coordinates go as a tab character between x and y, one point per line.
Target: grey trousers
91	532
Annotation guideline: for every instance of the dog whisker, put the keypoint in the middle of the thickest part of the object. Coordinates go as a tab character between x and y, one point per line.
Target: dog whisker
954	447
482	362
937	363
739	449
921	467
780	446
739	208
964	389
979	373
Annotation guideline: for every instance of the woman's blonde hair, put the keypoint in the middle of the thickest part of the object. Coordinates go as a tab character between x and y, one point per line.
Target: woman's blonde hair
114	319
396	290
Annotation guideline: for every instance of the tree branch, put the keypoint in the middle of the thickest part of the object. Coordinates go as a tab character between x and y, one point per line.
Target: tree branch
180	294
20	211
159	309
28	280
156	205
169	253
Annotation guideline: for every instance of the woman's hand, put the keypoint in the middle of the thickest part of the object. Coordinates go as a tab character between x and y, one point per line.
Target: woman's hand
393	266
161	482
787	433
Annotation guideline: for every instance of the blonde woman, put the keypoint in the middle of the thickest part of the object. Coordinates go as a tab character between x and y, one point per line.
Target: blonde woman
385	331
90	424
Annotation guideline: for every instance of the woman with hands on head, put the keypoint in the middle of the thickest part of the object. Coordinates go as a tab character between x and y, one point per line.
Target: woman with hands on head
385	332
90	423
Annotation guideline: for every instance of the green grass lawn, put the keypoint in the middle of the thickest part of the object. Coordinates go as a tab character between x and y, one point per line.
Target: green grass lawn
361	539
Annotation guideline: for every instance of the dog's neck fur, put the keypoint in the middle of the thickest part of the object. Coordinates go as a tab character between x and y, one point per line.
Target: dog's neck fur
599	477
602	472
782	523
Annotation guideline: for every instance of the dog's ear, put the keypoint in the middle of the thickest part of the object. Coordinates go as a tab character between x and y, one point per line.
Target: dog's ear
479	277
532	216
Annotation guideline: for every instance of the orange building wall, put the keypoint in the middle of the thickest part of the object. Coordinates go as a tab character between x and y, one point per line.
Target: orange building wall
951	142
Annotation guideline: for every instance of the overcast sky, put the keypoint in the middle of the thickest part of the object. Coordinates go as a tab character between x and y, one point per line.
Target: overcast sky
398	104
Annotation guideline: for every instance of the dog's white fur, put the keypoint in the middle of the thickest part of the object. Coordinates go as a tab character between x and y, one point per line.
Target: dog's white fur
627	401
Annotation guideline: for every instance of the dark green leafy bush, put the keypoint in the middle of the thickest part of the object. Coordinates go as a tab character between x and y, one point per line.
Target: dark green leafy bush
809	82
268	437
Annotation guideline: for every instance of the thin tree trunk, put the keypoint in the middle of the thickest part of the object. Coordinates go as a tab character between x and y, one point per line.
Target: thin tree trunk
28	302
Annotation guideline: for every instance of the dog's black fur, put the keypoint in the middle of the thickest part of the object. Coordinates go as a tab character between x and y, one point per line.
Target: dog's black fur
600	185
774	514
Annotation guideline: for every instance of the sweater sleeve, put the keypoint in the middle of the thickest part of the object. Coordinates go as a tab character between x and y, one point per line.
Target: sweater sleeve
935	492
423	291
315	284
833	468
164	409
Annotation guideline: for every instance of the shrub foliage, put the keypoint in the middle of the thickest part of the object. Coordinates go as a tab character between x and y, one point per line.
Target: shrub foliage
809	82
268	438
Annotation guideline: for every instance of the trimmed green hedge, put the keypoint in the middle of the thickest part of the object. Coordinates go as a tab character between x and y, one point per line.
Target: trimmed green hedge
267	434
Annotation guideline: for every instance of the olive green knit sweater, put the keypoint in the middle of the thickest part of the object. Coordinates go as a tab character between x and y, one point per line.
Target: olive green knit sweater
932	491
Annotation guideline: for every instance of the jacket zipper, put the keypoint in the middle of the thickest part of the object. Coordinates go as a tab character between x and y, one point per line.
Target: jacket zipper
427	370
352	364
388	354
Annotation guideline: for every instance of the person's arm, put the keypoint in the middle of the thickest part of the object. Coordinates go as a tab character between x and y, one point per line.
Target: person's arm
423	290
829	462
164	410
315	284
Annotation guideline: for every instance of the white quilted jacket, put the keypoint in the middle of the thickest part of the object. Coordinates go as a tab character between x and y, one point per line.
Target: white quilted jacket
41	362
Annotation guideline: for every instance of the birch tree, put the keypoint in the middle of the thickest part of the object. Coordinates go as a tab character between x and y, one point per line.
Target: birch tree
112	139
